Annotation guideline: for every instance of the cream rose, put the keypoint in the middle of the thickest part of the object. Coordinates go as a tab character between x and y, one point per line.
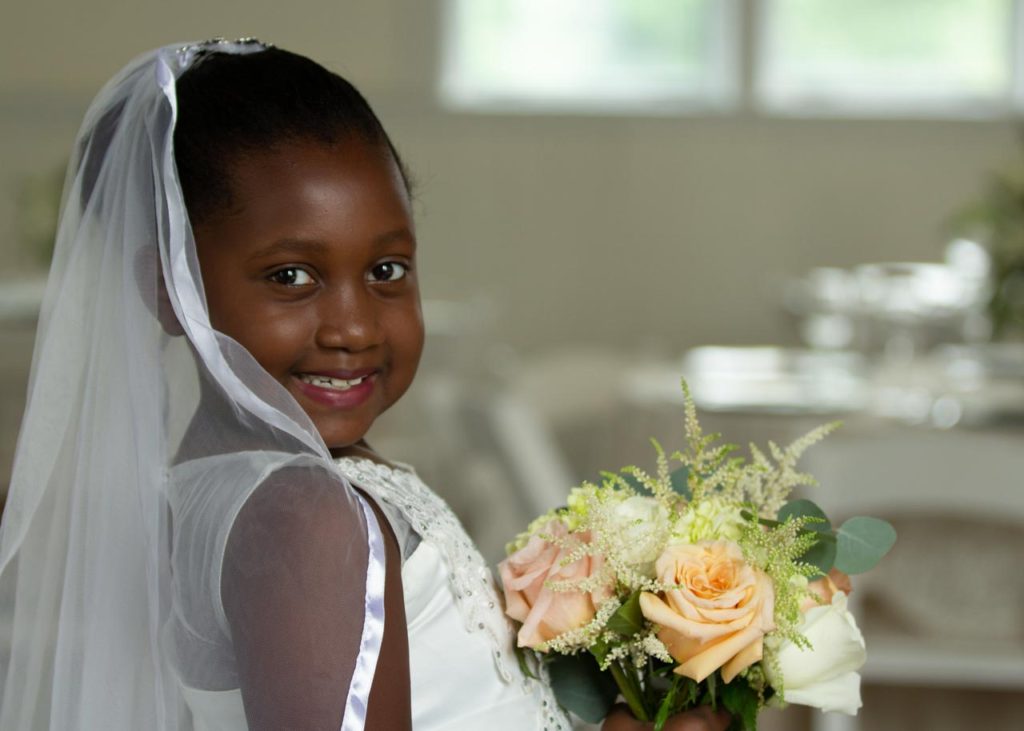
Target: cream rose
718	615
825	675
545	614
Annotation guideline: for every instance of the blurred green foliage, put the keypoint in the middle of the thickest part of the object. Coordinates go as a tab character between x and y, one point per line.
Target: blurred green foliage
996	220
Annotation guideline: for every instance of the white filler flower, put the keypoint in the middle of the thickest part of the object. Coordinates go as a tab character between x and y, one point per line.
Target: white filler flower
641	527
824	676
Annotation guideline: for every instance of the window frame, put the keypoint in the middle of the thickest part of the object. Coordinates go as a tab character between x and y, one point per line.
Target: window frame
744	51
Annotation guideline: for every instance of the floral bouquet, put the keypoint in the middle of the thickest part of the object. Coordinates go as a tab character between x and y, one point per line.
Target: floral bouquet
702	585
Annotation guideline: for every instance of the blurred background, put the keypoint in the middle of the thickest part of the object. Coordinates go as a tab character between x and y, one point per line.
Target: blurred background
812	209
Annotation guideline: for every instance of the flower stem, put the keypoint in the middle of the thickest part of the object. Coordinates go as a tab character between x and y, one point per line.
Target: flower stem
630	688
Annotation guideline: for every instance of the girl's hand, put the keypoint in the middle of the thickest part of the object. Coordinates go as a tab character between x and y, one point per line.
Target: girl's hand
699	719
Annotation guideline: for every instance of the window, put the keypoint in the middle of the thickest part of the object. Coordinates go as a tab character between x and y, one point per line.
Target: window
888	56
596	54
805	57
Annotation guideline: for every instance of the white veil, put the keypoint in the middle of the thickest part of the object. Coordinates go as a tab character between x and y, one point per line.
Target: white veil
144	434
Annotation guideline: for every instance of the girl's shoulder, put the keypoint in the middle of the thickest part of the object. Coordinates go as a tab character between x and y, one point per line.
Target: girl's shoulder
208	494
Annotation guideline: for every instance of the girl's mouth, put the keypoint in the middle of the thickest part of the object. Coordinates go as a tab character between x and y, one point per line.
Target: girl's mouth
337	384
339	393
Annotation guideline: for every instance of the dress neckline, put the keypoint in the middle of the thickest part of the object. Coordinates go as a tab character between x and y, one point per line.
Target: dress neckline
381	468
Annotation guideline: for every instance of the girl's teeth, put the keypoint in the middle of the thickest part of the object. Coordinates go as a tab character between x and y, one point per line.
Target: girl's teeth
336	383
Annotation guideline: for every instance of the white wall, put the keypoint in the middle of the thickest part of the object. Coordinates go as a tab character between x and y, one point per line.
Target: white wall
615	230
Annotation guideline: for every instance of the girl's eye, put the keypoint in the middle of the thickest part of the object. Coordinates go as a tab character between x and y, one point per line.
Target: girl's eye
291	277
389	271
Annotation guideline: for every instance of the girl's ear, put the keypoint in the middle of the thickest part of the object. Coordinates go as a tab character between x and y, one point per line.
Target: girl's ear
148	273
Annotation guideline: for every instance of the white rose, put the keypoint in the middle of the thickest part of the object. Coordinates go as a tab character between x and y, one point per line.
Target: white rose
824	676
642	526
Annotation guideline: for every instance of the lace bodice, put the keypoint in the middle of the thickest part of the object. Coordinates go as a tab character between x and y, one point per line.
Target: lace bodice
470	579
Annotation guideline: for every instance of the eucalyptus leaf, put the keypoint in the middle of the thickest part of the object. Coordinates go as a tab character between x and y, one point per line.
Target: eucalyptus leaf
862	542
628	619
581	687
822	554
802	508
680	480
635	483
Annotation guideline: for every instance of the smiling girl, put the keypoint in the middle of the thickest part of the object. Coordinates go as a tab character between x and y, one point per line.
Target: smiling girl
197	534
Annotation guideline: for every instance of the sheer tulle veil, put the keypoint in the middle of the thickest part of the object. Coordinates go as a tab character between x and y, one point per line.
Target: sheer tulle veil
95	627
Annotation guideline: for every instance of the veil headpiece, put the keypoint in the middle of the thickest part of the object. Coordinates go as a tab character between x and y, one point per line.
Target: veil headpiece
106	552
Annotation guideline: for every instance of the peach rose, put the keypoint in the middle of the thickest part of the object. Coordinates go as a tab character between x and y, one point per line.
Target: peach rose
545	614
718	614
824	588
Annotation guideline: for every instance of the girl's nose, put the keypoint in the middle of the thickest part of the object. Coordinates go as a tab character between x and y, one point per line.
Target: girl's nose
348	321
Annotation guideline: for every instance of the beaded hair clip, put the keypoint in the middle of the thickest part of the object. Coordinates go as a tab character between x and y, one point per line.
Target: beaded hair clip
193	52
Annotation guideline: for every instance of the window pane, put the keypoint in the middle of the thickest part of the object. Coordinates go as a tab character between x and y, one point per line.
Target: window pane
878	55
579	53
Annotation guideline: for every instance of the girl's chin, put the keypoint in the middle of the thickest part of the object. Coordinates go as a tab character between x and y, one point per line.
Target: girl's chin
338	440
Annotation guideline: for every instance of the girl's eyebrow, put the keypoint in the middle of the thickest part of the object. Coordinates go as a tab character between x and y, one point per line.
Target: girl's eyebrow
291	246
399	234
315	246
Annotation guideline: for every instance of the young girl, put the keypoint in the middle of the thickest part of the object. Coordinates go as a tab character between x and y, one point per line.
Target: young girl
197	535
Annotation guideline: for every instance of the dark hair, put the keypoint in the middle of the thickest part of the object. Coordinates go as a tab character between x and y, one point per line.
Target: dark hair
230	105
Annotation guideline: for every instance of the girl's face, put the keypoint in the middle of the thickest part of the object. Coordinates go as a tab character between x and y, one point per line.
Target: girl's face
312	270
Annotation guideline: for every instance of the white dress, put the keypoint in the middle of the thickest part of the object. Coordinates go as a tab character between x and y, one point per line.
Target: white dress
463	671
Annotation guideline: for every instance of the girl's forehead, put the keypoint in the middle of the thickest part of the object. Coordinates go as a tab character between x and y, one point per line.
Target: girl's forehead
293	167
351	192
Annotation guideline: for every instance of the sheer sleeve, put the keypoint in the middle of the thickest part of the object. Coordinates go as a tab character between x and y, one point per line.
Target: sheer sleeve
282	594
293	587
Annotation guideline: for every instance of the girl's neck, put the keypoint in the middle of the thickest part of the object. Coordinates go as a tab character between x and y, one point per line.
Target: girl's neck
360	450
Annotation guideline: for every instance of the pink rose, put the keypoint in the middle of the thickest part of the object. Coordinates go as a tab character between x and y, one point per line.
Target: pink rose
545	614
719	612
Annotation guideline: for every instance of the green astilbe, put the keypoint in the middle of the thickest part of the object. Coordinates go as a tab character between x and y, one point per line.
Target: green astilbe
710	467
765	482
777	551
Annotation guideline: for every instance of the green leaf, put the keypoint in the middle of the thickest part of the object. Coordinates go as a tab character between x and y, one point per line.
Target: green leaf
581	687
690	694
628	619
742	702
712	691
680	480
524	665
665	709
635	483
823	553
802	508
862	542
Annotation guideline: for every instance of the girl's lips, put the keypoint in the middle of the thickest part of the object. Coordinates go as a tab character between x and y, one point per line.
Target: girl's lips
348	398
